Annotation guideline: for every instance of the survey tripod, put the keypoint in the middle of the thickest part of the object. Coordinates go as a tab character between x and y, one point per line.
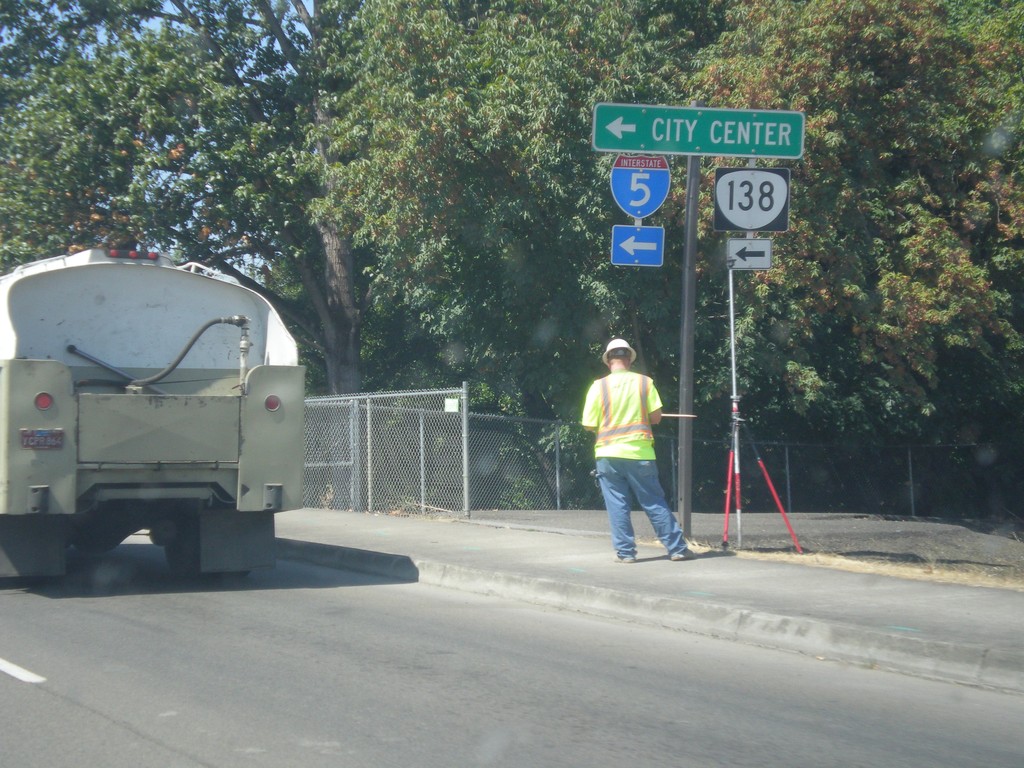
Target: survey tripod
733	490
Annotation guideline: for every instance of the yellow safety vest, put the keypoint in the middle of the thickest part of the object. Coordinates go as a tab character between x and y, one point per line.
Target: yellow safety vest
618	409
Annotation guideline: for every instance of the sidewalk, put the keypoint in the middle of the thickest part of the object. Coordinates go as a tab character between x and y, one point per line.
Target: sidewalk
971	635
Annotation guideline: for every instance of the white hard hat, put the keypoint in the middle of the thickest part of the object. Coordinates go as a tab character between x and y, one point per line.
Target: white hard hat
618	344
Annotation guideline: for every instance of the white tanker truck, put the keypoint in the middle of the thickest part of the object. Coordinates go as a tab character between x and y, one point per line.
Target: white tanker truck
137	395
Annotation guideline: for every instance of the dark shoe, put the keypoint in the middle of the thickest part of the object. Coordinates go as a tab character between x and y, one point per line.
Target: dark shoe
627	559
686	554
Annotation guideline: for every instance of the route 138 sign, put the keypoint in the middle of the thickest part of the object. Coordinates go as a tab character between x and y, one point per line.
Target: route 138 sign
752	199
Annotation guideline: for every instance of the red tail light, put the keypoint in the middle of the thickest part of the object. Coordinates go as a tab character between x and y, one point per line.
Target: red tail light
134	255
44	401
272	403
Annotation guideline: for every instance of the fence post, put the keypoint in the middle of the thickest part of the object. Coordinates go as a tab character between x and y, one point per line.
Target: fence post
423	466
558	465
369	456
910	471
789	483
675	474
355	486
465	448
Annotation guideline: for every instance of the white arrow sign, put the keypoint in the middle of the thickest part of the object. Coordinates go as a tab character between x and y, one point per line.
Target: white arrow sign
617	127
754	253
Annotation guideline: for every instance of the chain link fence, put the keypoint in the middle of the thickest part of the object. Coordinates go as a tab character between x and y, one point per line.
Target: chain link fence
424	453
390	451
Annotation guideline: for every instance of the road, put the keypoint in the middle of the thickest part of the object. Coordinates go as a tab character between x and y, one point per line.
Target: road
303	666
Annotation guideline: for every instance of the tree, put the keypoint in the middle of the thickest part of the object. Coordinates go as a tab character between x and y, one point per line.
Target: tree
893	309
417	174
480	191
66	138
196	125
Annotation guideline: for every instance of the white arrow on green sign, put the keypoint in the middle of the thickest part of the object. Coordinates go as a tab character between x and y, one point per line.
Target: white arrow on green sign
649	129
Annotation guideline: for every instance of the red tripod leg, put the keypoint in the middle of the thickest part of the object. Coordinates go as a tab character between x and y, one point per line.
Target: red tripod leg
775	495
778	504
728	500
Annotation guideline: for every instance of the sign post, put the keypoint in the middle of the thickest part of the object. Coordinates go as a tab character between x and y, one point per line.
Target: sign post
687	333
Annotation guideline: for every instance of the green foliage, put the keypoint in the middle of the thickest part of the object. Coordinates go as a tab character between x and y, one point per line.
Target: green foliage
188	125
412	183
477	184
898	265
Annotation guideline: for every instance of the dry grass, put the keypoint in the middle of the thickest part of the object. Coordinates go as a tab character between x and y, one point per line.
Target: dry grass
974	576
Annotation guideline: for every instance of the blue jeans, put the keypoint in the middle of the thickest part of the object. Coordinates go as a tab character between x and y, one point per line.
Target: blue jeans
623	479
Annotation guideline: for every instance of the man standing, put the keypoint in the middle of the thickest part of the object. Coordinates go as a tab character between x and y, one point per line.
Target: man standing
620	408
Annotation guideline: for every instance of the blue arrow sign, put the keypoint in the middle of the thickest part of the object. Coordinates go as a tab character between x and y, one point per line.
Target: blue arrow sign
638	246
640	184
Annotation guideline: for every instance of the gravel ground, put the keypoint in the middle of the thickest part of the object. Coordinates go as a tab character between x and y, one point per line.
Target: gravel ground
927	546
918	547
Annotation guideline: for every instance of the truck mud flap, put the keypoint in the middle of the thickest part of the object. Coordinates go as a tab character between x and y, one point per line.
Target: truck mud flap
232	542
32	545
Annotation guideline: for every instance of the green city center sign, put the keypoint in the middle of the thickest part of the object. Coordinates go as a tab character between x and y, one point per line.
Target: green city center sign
648	129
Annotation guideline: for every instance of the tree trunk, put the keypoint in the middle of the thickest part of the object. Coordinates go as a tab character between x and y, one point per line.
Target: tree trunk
341	315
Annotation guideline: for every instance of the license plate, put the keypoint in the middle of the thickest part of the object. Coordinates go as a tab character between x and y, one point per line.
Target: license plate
42	439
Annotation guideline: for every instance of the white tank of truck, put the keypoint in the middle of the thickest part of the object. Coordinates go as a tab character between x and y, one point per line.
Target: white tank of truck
137	395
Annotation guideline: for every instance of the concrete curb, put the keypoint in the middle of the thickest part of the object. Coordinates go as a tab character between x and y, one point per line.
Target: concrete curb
950	662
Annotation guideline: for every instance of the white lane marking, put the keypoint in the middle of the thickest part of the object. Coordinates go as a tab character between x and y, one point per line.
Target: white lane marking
19	673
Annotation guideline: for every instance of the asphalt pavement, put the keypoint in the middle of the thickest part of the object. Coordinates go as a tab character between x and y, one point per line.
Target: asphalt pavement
963	634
